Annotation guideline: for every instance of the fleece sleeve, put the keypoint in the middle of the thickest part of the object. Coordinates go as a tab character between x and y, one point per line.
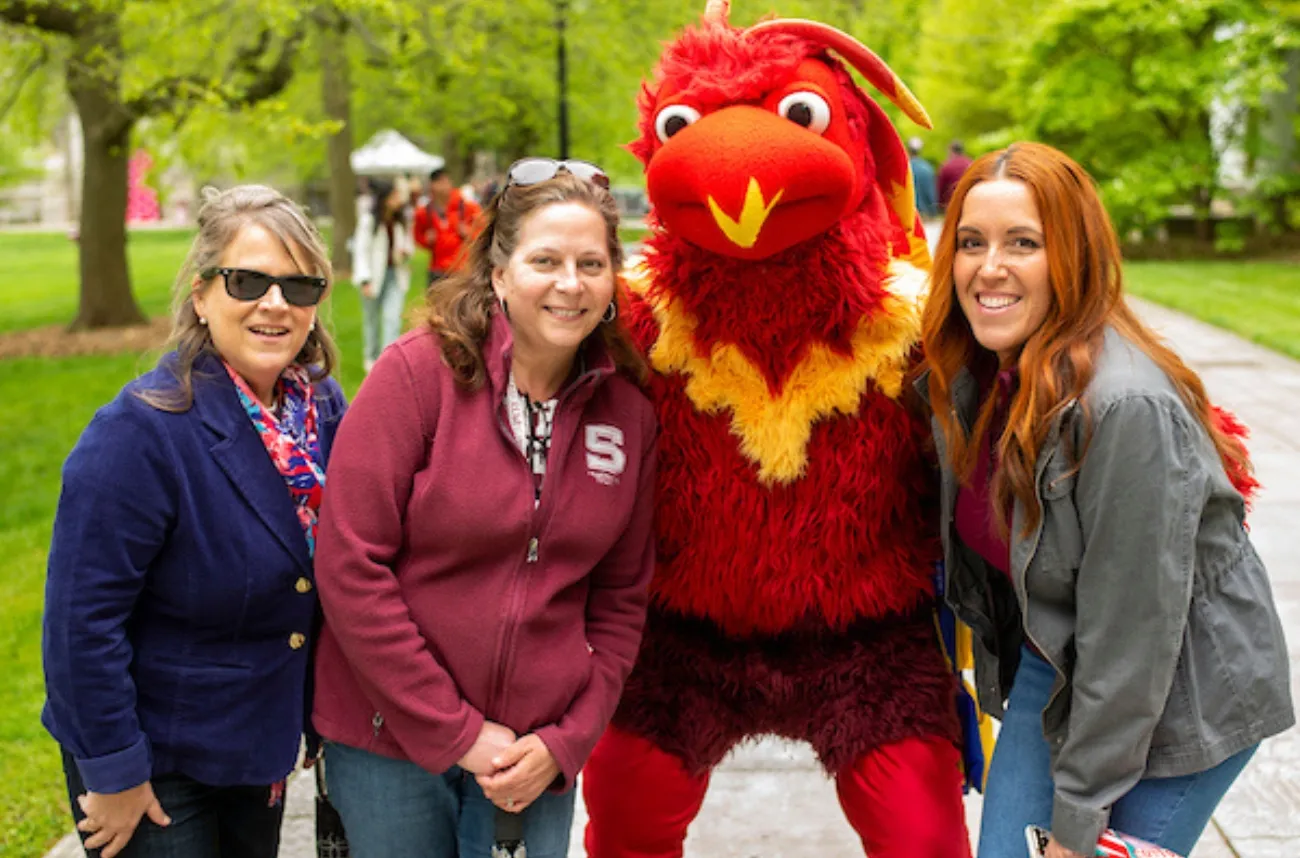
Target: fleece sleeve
380	445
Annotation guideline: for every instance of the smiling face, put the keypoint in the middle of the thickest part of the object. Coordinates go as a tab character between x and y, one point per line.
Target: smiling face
259	338
557	283
1000	272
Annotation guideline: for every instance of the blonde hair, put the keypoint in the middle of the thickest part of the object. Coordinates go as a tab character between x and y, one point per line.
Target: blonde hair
221	216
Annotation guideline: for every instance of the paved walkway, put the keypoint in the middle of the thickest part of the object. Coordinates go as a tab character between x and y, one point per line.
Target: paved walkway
771	800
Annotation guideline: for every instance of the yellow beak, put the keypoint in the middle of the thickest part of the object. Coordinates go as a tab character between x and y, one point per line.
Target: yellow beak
744	232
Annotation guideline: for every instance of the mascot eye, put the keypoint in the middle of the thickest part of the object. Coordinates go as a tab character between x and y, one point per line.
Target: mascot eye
807	109
674	118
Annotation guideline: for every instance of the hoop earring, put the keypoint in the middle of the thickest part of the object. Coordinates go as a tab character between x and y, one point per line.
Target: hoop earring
611	313
505	308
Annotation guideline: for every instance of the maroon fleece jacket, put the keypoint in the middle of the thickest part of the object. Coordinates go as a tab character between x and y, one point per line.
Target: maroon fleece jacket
447	597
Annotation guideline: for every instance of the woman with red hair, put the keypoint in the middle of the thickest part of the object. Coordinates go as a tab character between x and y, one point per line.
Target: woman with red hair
1092	518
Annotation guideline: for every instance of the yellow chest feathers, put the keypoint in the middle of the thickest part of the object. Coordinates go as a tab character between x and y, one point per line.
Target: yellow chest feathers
773	430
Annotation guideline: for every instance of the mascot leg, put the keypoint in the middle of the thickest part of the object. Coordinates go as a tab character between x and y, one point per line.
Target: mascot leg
905	801
640	800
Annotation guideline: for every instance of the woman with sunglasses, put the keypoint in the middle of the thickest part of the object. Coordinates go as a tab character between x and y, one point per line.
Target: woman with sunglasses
381	247
180	598
486	548
1092	525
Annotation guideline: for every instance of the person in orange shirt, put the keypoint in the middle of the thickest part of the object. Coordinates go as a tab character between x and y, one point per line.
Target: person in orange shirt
444	224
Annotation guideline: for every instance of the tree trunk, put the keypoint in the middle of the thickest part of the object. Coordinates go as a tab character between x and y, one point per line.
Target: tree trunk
106	299
336	92
1280	136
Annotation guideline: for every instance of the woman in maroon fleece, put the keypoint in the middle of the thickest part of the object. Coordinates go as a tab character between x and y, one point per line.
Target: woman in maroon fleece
486	548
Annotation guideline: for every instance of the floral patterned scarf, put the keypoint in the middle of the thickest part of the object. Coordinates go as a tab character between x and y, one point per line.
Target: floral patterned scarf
289	435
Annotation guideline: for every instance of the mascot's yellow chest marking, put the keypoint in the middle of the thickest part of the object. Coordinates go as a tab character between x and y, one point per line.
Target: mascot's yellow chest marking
774	430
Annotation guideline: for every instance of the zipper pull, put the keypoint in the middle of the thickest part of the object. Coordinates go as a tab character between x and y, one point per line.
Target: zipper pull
377	722
532	550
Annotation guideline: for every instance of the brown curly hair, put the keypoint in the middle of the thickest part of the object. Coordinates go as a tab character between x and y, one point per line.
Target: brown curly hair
460	308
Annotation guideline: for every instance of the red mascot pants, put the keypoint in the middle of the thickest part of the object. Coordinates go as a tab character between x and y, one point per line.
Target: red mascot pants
903	800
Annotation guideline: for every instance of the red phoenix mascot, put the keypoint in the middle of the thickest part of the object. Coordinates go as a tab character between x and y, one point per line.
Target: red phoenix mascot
778	305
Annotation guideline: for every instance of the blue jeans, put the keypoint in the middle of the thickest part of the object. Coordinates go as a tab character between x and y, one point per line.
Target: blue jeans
395	809
1170	812
381	317
207	821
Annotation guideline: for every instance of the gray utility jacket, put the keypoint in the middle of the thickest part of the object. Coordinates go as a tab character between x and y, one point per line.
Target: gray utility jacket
1139	586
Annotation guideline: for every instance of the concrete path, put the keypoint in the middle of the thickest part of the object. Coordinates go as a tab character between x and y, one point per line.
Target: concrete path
771	800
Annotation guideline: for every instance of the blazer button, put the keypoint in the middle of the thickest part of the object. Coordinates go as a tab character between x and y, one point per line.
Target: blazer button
296	640
302	585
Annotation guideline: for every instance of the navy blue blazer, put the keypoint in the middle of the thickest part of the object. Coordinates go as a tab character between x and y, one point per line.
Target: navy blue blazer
180	597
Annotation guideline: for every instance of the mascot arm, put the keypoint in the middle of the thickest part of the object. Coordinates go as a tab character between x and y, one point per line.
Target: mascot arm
616	609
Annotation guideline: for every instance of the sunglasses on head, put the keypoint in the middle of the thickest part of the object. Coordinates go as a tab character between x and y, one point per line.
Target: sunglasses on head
244	284
530	171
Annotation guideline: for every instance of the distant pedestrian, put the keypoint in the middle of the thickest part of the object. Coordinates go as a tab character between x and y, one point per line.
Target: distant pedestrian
484	570
381	249
444	224
180	598
927	201
952	171
1093	526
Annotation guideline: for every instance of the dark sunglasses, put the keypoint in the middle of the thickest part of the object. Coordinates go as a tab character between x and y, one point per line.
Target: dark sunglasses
530	171
243	284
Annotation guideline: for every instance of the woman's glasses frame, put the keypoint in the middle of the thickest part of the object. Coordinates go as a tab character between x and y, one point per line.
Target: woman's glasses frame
247	284
530	171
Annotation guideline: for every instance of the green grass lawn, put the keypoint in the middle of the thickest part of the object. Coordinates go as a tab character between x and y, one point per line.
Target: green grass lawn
44	405
1259	301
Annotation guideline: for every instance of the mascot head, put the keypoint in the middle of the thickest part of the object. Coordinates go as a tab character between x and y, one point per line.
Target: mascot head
755	140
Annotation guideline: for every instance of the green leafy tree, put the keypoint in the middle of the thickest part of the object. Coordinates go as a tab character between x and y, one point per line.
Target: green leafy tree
127	60
1130	89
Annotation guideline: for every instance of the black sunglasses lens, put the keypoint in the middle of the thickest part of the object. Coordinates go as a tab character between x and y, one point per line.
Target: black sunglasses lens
302	291
247	285
299	290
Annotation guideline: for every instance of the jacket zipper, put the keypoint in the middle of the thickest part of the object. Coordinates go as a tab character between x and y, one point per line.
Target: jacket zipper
505	651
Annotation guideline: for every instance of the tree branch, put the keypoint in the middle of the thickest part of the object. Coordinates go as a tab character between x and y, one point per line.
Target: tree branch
48	16
179	93
267	82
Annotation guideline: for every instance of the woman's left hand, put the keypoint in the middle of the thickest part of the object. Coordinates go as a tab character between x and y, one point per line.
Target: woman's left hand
1056	850
523	772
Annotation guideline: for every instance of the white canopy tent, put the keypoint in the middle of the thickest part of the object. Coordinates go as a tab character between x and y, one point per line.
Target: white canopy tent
388	153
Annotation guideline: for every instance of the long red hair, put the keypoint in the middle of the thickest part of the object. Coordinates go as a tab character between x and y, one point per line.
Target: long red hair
1058	360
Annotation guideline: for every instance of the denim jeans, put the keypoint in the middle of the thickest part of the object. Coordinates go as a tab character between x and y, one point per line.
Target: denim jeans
206	821
395	809
1171	812
381	317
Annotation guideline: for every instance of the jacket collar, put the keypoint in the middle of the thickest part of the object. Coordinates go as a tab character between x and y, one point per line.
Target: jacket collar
239	452
965	394
595	362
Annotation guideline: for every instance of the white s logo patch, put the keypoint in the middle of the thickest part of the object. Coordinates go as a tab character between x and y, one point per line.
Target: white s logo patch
605	456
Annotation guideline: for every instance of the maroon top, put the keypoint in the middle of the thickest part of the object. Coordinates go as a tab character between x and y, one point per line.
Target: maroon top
449	596
976	525
949	175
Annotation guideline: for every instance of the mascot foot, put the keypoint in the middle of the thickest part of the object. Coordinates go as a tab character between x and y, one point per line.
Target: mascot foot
905	801
640	799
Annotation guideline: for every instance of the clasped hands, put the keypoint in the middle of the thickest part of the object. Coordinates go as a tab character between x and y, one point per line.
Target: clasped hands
512	772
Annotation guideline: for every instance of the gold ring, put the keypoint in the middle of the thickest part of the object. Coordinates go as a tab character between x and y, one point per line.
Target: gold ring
510	802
